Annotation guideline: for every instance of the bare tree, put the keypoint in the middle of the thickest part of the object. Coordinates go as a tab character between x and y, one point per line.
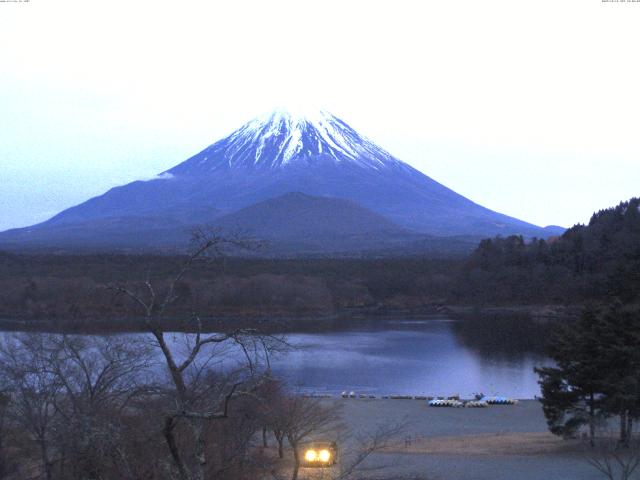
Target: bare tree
615	460
99	377
192	402
363	447
4	461
33	392
307	417
274	413
68	394
616	463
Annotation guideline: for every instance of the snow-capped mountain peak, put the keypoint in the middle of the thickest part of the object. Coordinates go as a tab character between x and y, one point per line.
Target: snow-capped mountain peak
306	180
283	138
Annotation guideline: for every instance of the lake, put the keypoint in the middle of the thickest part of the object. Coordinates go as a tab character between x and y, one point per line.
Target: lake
436	357
433	357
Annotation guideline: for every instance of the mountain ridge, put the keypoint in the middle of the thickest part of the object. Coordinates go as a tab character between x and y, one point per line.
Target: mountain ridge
277	154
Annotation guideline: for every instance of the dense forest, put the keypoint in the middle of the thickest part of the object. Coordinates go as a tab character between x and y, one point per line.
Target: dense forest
64	288
593	262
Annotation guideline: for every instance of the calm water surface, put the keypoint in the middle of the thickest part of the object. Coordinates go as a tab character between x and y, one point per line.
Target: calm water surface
429	357
436	357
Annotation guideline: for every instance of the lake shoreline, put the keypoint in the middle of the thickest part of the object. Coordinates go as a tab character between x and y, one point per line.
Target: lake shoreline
314	322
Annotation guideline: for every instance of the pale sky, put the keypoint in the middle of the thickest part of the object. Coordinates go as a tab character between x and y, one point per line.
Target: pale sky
531	108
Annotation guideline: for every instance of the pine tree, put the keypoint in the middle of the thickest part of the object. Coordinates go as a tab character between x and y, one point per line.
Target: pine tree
572	390
597	373
620	332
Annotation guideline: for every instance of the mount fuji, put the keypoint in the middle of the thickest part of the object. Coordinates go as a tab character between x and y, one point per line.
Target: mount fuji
306	183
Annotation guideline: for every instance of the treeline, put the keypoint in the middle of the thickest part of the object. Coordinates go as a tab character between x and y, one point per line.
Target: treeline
71	287
594	262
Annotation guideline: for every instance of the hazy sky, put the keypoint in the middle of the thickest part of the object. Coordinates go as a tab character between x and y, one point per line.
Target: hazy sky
531	108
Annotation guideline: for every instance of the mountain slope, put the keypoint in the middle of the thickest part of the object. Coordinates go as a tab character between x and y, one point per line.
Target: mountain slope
300	223
318	155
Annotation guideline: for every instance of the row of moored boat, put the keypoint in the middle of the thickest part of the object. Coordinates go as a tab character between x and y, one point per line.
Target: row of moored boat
454	402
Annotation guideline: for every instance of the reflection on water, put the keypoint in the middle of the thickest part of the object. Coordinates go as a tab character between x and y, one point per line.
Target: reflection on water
503	336
415	357
429	357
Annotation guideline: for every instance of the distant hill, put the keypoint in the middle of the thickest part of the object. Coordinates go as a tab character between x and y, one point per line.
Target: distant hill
297	215
296	222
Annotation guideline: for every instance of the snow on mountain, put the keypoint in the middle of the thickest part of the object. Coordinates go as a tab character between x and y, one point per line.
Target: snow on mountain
283	138
316	154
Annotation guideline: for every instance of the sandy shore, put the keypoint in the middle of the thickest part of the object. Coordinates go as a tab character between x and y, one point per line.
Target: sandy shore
494	443
531	443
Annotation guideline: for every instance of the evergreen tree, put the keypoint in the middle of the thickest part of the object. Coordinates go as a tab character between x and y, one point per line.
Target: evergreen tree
597	373
572	390
620	333
595	262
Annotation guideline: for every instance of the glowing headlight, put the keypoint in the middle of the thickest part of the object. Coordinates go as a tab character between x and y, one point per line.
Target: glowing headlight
318	454
311	455
324	455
